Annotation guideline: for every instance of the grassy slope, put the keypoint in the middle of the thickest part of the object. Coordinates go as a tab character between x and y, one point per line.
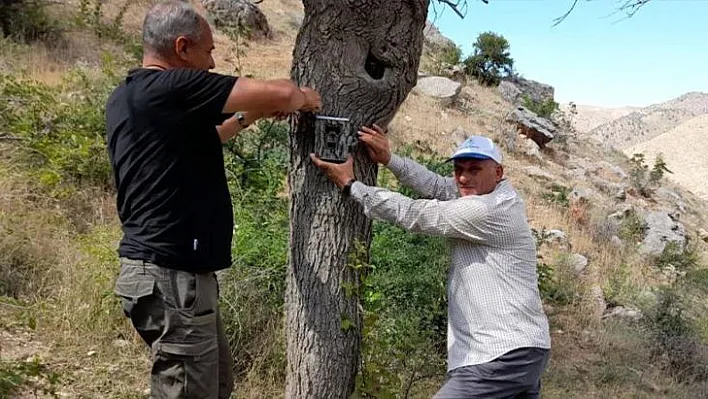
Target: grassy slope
76	328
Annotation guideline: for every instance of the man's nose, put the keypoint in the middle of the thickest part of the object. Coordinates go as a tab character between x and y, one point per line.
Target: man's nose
463	179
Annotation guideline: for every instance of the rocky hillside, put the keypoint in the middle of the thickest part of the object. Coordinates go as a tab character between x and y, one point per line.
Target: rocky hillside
644	124
684	150
589	117
621	251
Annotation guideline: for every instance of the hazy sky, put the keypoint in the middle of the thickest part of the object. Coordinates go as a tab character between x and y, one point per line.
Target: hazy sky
595	57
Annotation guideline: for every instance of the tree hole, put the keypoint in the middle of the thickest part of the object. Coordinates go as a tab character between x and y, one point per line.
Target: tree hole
374	67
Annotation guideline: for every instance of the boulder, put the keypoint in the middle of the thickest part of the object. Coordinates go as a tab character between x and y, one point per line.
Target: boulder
671	197
538	129
509	91
662	228
438	87
239	15
529	148
577	262
536	91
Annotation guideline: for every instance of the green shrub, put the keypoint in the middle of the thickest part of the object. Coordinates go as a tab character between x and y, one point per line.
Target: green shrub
61	130
559	195
643	180
677	321
30	374
490	60
541	108
451	55
27	21
557	282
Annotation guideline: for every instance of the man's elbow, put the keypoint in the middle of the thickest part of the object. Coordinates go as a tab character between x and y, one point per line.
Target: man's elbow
289	98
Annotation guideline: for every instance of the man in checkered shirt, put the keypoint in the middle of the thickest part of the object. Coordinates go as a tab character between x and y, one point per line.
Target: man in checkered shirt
498	339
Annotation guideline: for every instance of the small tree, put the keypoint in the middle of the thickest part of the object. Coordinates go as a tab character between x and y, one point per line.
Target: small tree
491	60
658	171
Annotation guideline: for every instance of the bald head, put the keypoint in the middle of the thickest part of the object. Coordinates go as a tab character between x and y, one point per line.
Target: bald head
167	21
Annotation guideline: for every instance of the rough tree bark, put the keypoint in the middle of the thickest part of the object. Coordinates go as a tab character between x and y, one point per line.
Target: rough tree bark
363	57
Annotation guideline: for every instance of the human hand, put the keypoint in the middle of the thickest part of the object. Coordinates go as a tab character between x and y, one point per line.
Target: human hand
337	173
376	144
313	102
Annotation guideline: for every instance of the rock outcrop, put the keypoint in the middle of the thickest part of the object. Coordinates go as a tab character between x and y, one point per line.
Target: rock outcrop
241	15
662	228
538	129
515	89
443	89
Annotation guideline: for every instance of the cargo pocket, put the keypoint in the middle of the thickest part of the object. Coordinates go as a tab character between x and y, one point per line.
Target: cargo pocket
133	285
194	336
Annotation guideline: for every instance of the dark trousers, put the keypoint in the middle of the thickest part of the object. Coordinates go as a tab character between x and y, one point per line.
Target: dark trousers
516	374
176	313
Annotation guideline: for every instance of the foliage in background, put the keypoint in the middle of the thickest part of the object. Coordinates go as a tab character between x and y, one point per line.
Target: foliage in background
60	130
28	21
644	180
491	60
541	108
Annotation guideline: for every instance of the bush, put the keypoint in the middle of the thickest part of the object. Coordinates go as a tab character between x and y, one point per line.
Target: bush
643	180
491	60
30	374
676	322
541	108
61	136
27	21
451	55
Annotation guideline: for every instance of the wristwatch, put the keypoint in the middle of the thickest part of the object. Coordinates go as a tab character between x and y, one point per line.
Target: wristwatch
241	118
347	189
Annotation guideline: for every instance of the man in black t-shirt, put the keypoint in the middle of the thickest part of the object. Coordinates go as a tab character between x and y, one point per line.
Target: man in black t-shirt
165	126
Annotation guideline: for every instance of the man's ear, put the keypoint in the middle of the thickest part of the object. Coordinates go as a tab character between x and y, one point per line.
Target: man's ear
181	44
500	173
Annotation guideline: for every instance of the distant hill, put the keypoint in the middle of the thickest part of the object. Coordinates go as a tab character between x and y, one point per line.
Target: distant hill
684	150
590	116
643	124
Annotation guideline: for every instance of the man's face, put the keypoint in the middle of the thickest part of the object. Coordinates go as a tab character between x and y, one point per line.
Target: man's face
477	176
196	54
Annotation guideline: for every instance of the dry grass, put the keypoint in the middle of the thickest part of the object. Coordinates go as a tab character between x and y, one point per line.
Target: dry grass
65	293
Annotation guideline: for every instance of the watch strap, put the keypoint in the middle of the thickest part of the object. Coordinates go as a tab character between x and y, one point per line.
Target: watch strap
347	189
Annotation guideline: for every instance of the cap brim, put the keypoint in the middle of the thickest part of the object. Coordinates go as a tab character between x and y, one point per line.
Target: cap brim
469	155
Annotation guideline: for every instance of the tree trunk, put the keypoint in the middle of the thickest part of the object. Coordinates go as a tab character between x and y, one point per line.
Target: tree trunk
362	56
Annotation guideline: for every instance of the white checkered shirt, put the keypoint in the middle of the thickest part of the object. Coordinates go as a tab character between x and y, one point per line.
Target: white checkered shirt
493	299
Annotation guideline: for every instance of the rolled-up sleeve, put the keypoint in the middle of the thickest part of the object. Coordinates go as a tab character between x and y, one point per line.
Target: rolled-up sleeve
463	218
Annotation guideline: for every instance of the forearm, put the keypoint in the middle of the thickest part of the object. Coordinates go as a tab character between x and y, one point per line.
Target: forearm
455	219
231	128
417	177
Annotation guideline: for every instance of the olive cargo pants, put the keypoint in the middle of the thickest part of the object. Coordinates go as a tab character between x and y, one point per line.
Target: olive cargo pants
176	313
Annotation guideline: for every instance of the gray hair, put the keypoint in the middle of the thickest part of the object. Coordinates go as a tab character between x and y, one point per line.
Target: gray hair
168	20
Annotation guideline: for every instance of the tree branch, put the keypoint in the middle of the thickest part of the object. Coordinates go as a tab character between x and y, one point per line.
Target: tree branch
630	7
561	18
453	6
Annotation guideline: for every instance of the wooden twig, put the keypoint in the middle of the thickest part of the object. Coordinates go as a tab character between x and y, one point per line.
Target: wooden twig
9	137
561	18
453	6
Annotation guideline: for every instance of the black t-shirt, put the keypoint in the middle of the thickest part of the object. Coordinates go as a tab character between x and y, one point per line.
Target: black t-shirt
173	199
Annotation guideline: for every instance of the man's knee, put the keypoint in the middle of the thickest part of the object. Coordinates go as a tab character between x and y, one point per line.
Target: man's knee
179	376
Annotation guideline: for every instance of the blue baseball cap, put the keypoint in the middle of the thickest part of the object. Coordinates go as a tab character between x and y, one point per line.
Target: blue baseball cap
477	147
